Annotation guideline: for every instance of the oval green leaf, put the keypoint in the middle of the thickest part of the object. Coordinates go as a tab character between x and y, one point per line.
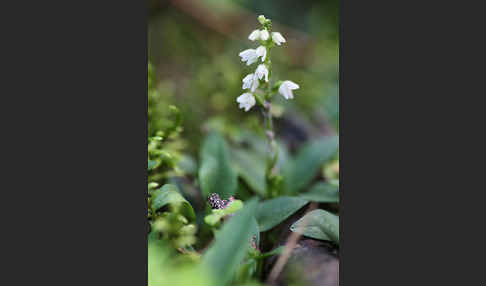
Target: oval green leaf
272	212
320	224
310	158
251	168
216	174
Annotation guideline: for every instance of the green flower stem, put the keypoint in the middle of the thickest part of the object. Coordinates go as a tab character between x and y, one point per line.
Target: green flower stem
271	172
268	123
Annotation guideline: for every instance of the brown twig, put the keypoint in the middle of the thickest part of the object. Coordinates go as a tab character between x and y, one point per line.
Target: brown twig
289	246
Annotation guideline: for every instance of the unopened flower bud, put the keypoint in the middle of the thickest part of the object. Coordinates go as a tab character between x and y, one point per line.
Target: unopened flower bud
261	19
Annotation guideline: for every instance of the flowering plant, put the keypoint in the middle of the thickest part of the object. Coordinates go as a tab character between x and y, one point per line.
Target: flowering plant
221	219
261	90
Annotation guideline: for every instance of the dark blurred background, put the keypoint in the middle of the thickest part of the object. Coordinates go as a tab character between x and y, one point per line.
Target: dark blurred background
193	47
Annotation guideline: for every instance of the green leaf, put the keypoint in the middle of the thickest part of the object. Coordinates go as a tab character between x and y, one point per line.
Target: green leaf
230	245
216	174
322	193
304	167
233	207
214	218
272	212
169	195
216	215
320	224
251	168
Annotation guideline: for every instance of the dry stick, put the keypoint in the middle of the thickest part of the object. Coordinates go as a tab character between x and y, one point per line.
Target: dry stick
289	246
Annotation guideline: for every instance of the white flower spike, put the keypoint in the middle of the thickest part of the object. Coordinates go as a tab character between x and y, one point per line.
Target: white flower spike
249	56
286	88
250	81
261	51
262	71
278	38
246	101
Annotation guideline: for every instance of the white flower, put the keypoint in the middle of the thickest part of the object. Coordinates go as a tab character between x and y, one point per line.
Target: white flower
250	81
249	56
261	51
278	38
259	34
254	35
264	35
247	81
262	71
286	88
246	101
